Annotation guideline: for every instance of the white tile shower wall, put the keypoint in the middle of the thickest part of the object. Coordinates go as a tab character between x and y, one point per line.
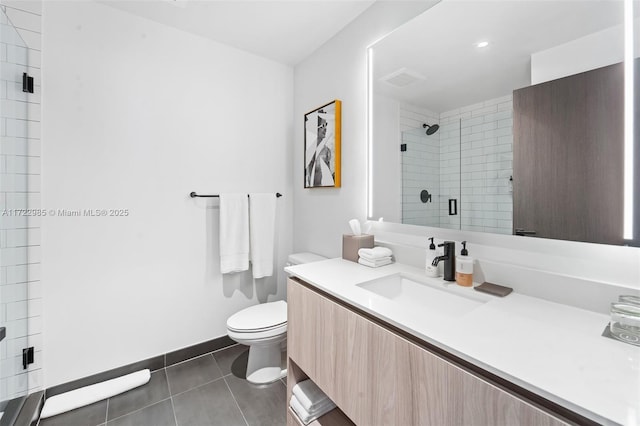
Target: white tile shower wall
449	171
413	117
420	164
20	281
484	134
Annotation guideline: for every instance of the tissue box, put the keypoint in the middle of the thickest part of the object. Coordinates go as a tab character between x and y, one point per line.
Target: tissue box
352	243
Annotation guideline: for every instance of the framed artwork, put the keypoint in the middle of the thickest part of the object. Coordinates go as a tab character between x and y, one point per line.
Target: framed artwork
322	128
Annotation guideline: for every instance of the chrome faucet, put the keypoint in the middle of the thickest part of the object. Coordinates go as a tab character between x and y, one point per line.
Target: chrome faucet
449	260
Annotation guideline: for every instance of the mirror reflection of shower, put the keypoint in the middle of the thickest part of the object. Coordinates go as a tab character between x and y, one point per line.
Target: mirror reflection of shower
420	169
430	129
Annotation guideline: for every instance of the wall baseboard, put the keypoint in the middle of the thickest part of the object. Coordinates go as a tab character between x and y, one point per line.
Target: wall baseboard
153	364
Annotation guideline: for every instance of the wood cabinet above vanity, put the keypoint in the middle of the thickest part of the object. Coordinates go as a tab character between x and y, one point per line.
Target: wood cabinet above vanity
377	375
568	157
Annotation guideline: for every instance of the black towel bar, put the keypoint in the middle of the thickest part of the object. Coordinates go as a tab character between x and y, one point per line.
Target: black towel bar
194	195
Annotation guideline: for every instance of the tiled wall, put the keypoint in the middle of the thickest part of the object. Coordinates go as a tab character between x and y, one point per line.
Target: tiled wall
420	166
486	142
449	171
20	161
477	138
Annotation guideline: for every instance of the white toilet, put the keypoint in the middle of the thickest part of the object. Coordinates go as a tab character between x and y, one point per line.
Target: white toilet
263	328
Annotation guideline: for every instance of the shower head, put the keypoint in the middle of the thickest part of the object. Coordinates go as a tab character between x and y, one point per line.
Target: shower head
431	129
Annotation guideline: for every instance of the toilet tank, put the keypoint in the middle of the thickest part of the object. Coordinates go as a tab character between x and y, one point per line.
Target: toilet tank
300	258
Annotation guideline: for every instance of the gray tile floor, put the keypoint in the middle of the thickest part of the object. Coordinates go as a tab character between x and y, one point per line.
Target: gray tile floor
205	391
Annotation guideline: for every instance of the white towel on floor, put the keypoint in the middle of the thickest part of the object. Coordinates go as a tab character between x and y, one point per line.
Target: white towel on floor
262	229
375	263
307	417
86	395
374	253
234	233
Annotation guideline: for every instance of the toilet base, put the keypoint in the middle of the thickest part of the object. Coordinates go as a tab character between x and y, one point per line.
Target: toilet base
263	365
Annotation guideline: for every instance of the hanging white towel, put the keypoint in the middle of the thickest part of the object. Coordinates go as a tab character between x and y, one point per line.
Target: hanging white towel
234	233
262	228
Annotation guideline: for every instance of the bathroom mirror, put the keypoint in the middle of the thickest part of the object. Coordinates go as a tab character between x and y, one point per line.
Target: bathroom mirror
442	115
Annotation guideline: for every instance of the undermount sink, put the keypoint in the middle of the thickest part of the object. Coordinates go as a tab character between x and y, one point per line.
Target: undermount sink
445	300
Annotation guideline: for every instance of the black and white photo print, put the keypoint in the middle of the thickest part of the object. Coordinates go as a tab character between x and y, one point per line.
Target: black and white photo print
322	146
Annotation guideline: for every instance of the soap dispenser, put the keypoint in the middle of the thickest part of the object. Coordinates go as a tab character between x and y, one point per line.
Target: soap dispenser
432	271
464	267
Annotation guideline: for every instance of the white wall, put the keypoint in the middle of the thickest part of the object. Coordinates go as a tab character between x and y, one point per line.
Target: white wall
387	158
338	70
593	51
136	115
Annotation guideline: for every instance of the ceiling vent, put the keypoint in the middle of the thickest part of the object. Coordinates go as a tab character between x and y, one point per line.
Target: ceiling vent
402	77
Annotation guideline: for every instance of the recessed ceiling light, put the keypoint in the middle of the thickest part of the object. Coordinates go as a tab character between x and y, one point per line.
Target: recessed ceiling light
482	44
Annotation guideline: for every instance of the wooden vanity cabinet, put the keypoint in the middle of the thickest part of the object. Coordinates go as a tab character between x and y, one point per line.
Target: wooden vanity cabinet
377	377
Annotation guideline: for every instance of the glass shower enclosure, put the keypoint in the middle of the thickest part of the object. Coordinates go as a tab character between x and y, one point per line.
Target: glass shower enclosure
460	177
14	221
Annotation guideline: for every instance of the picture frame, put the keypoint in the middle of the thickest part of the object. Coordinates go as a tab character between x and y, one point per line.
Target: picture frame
322	143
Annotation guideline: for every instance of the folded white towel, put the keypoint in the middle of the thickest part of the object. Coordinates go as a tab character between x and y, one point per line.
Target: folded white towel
376	259
374	253
304	415
309	394
375	263
319	409
380	261
234	233
262	229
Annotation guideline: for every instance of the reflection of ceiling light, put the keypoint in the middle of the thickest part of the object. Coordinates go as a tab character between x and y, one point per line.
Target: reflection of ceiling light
482	44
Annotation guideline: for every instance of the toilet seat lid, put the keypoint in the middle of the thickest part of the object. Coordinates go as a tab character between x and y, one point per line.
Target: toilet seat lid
259	317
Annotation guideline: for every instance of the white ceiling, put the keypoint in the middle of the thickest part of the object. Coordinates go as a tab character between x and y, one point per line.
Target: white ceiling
440	45
286	31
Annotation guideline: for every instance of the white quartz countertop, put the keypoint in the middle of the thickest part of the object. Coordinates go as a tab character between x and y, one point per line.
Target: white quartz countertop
554	350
